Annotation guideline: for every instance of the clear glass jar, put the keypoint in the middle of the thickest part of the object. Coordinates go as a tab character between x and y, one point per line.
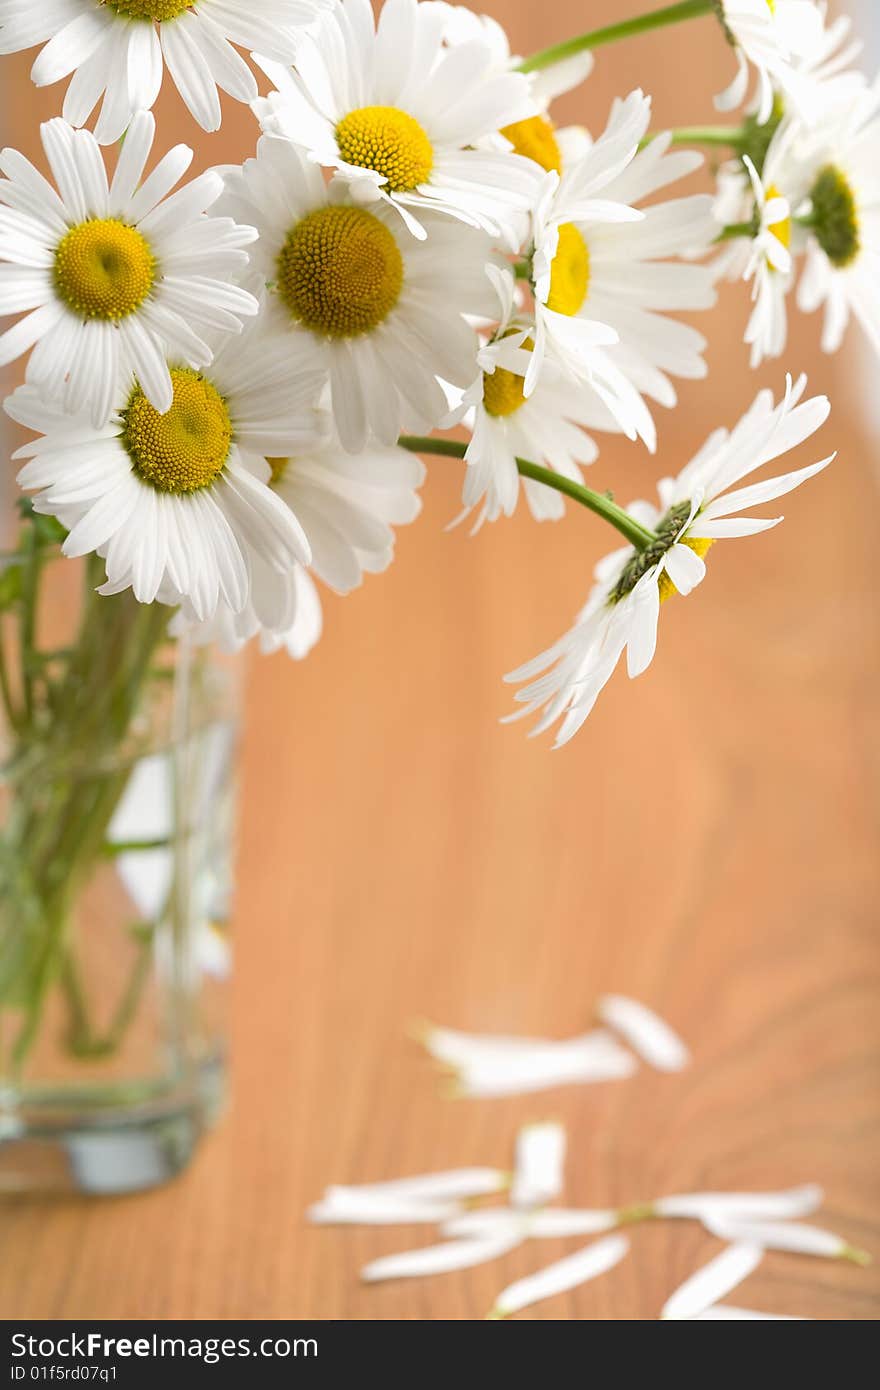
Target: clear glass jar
116	823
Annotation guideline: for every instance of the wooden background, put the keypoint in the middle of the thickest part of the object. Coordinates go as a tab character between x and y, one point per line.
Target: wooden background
708	844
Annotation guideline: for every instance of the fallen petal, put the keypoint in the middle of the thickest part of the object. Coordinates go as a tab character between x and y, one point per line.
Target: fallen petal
771	1206
552	1223
445	1186
725	1312
542	1070
540	1159
711	1283
565	1274
439	1259
788	1235
343	1208
645	1032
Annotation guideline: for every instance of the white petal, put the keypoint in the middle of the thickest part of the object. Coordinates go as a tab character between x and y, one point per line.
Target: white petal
725	1312
447	1186
770	1206
540	1160
786	1235
713	1281
566	1274
552	1223
647	1033
439	1259
341	1207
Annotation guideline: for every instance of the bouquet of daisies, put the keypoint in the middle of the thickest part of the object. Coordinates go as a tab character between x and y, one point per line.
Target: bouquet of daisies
229	381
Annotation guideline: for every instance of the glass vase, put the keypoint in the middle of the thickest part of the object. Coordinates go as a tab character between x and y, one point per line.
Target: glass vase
116	820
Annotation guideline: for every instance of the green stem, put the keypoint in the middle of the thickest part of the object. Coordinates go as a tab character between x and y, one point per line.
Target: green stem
12	713
736	229
730	136
624	29
28	617
597	502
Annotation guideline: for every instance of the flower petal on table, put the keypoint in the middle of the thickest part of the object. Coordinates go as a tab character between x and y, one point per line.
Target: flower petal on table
341	1208
770	1206
725	1312
565	1274
539	1167
787	1235
449	1185
713	1281
645	1031
551	1223
439	1259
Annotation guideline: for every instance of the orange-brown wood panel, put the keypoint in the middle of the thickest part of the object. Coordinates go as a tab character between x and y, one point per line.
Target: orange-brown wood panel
707	844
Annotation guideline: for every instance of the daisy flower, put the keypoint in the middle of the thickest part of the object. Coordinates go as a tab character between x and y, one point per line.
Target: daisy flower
696	509
119	48
602	283
177	503
548	427
768	264
773	37
534	136
401	118
113	276
841	220
347	506
381	313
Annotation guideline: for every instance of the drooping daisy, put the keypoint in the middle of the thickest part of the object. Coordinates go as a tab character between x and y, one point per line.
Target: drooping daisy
841	219
534	136
773	36
601	277
118	49
696	508
381	313
114	275
401	118
548	427
768	265
177	504
347	506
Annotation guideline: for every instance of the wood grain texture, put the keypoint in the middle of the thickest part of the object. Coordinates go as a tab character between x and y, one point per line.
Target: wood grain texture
708	844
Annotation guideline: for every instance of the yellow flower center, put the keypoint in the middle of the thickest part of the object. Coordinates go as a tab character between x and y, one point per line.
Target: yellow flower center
389	141
278	467
340	271
104	269
149	9
699	546
535	138
570	272
186	448
502	392
781	230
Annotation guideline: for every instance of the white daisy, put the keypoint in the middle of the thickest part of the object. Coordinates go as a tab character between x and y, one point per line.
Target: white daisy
774	37
601	279
696	508
347	506
177	503
401	117
119	48
534	136
547	427
841	219
769	264
114	275
381	313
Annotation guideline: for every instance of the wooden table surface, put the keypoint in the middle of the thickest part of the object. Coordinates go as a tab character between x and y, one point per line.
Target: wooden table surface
708	844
